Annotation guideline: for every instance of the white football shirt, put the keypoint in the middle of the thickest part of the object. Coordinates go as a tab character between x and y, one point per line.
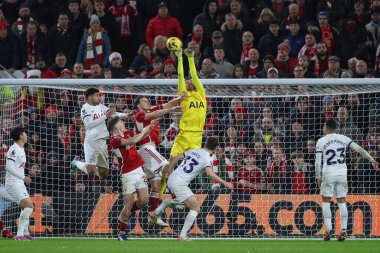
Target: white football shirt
333	148
195	161
94	118
15	165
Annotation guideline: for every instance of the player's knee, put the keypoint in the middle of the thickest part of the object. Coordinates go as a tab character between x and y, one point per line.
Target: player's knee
196	208
91	169
143	202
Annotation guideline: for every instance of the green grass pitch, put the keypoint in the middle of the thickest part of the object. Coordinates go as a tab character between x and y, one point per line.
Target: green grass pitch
195	246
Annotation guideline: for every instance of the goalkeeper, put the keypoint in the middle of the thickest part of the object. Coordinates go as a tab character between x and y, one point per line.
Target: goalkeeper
193	114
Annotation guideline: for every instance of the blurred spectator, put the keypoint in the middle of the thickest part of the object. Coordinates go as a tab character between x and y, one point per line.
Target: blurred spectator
61	40
143	59
9	49
240	10
335	9
223	167
221	66
118	71
277	169
169	68
360	69
158	66
310	46
95	45
87	8
309	152
252	66
45	71
7	125
269	42
320	61
200	37
303	61
33	46
368	178
262	155
171	132
239	71
247	45
207	71
268	62
279	8
96	71
19	26
293	17
283	62
43	12
250	177
334	66
300	178
232	33
163	24
209	18
78	71
264	134
263	22
329	34
125	17
107	73
107	20
352	36
347	127
356	106
296	137
374	25
160	49
367	51
266	112
198	55
60	64
361	15
78	21
303	113
218	41
296	38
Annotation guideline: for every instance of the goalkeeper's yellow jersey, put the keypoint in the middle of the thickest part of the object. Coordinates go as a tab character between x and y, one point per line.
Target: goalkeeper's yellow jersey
194	106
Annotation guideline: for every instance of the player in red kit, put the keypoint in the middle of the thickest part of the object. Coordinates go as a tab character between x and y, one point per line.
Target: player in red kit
133	178
154	162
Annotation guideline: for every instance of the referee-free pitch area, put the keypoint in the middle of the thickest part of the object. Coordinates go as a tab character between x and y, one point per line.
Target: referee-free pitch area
195	246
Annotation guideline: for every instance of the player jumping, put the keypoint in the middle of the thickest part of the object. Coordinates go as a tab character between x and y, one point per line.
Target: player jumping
94	115
15	181
333	182
133	178
195	160
193	114
154	162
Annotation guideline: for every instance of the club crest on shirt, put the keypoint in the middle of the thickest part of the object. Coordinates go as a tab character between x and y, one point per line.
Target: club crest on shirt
13	153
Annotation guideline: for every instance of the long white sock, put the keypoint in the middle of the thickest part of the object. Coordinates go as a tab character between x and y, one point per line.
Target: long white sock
327	215
23	221
26	230
163	206
189	221
82	166
343	215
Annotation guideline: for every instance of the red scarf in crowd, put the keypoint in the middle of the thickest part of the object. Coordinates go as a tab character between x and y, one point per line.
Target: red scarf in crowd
20	25
244	53
31	50
309	51
328	37
90	54
229	168
199	40
123	18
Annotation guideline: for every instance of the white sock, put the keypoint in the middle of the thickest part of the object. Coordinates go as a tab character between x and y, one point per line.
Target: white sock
163	206
343	215
81	166
189	221
26	230
327	215
23	221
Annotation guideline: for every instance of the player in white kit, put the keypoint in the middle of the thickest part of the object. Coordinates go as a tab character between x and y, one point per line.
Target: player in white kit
193	164
333	180
15	180
94	115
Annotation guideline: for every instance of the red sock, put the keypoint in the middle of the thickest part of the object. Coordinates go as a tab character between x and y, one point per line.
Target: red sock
2	225
122	227
135	207
154	200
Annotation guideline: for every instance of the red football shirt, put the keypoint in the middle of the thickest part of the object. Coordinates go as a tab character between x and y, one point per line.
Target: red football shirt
254	176
128	157
140	123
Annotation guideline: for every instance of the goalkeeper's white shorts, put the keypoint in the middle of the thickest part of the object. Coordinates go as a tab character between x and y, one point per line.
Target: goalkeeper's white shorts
17	192
96	153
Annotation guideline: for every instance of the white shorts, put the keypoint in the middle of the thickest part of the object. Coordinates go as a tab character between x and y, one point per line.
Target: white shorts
96	153
179	188
133	180
17	192
334	188
154	162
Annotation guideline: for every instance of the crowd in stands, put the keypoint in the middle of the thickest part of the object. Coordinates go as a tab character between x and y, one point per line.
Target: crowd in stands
267	145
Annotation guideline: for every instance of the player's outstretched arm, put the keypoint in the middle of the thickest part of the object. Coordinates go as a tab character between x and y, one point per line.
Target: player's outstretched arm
175	101
215	177
181	75
193	72
160	113
364	154
138	137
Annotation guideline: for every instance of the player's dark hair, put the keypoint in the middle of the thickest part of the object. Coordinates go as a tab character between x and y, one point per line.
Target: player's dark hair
17	132
91	91
137	101
331	124
111	123
211	143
